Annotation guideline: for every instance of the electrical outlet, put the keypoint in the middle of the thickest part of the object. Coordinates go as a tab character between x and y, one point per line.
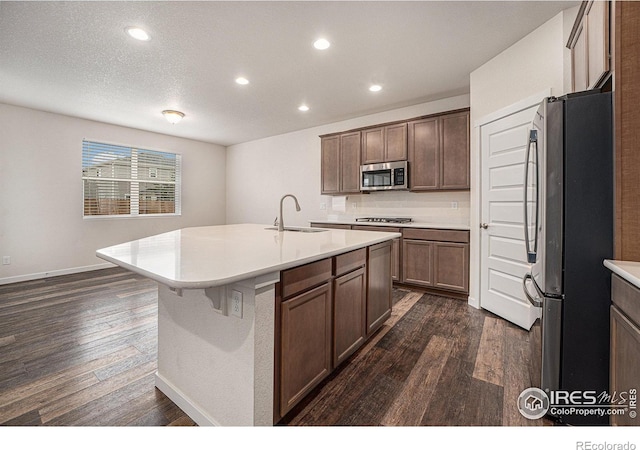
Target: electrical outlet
323	206
454	205
236	303
354	205
6	260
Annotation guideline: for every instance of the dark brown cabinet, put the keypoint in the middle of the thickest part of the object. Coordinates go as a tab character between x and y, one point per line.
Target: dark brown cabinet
396	248
379	285
305	331
424	154
325	311
305	344
625	343
436	258
340	163
439	153
454	151
349	312
384	144
418	262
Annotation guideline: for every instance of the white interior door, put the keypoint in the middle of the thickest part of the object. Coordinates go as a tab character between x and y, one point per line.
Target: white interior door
503	261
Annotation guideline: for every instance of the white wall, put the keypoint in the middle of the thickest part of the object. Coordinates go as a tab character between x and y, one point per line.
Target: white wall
536	63
260	172
41	200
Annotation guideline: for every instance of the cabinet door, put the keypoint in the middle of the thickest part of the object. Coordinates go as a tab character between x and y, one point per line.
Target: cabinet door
330	162
418	262
451	266
373	146
349	310
454	151
378	285
424	155
395	142
579	62
625	360
350	162
396	247
597	20
305	344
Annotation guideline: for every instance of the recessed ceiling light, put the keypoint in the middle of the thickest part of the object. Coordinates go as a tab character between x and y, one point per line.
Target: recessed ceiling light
303	108
375	88
242	80
172	116
137	33
322	44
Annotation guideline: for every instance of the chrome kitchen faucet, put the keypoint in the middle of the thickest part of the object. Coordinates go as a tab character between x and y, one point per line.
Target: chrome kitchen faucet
280	218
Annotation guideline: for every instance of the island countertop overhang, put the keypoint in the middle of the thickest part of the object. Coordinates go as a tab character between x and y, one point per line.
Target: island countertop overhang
210	256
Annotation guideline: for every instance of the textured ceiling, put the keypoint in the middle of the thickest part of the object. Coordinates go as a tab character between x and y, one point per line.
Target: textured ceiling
74	58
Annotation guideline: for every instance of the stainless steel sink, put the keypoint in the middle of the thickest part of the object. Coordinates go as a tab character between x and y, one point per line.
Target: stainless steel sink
299	229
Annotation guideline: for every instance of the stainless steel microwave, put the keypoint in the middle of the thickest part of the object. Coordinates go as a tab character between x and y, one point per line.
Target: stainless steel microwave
384	176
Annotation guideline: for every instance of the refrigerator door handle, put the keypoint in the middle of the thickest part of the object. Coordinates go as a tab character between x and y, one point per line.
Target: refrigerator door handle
531	253
537	302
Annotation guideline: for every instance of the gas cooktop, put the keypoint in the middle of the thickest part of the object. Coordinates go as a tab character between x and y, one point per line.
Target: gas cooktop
384	219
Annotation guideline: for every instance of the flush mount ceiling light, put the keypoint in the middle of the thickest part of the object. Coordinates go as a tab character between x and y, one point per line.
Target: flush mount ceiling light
375	88
242	80
322	44
303	108
137	33
172	116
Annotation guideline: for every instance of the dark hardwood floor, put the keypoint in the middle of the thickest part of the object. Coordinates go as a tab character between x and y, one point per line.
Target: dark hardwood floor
81	350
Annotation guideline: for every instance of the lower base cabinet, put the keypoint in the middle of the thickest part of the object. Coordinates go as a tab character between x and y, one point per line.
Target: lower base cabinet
625	345
349	297
436	259
305	344
325	311
379	286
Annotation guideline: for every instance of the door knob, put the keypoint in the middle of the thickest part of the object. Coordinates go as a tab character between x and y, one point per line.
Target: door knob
484	225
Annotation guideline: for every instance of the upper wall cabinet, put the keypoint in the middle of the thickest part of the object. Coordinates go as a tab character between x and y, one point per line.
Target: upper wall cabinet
384	144
436	146
340	163
590	46
439	152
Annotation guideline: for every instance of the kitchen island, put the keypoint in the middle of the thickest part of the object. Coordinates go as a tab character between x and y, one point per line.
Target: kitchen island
219	309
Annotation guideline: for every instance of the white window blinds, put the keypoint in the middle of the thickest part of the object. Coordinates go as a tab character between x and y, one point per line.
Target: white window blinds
129	181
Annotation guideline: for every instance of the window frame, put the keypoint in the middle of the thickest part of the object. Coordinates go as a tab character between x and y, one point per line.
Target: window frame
134	191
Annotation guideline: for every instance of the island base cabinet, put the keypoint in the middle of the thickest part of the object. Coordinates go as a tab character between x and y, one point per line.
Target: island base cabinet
349	314
306	344
379	285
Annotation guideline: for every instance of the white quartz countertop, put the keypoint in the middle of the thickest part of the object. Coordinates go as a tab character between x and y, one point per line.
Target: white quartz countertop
628	270
202	257
439	226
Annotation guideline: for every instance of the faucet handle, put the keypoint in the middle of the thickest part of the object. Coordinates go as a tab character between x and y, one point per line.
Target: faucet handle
275	222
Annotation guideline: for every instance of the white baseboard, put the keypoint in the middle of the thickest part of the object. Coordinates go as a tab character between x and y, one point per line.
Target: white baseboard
185	403
54	273
473	302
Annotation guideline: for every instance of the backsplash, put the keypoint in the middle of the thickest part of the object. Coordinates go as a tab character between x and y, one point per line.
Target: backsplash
431	207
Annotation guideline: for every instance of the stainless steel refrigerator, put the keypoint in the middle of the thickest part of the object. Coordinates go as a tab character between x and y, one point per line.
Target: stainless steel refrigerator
568	233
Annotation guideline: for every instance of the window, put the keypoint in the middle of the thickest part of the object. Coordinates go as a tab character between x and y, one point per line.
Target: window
126	181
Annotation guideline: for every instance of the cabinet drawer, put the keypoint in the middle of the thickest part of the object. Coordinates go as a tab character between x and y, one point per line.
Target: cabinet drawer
350	261
301	278
461	236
